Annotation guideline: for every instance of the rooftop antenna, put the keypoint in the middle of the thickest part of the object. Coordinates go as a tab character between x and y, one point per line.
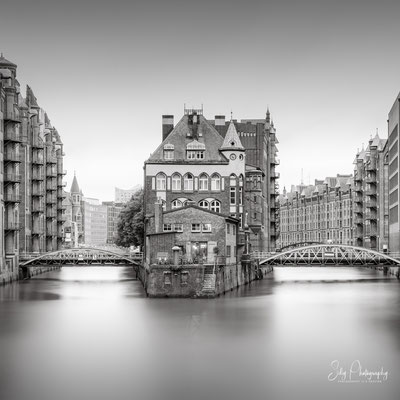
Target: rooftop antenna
302	177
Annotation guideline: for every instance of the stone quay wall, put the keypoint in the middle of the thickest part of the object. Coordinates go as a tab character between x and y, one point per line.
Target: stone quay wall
24	273
188	281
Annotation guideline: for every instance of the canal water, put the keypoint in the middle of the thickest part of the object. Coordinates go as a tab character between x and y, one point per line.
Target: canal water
301	333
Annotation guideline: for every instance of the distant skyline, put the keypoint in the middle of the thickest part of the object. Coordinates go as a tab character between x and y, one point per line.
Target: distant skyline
106	72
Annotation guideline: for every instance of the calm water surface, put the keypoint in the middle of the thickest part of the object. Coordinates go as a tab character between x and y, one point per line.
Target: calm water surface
90	333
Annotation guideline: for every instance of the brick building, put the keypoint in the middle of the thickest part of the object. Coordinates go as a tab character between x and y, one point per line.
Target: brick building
394	176
370	197
318	213
196	165
31	175
258	137
196	231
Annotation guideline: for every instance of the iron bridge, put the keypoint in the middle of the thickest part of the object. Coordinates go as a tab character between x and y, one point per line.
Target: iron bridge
81	256
327	254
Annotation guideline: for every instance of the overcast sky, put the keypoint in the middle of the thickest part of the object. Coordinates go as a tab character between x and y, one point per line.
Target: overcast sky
105	71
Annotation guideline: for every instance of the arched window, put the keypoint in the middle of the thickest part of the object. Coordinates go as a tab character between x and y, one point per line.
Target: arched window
232	180
161	182
176	204
240	180
204	204
188	182
215	182
203	182
215	206
176	182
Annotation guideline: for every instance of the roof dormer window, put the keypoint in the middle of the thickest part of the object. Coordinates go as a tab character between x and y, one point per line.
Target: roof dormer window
195	150
168	152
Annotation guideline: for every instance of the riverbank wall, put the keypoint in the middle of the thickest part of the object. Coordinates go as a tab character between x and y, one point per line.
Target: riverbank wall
11	275
196	280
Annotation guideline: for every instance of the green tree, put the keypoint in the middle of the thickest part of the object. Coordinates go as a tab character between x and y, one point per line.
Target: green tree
130	226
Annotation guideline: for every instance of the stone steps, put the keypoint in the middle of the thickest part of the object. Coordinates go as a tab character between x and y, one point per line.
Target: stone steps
209	282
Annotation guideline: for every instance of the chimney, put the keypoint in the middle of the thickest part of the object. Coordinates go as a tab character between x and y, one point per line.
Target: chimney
167	125
158	216
220	124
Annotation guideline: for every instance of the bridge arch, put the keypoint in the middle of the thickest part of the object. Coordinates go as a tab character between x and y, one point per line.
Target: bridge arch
298	244
79	256
330	254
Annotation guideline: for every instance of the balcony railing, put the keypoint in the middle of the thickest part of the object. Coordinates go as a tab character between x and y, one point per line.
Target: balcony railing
50	186
37	208
51	214
371	231
51	174
370	204
12	178
38	144
371	180
11	226
36	159
358	220
358	198
371	166
371	216
12	156
370	192
37	176
51	199
12	198
12	136
37	230
37	192
51	159
12	115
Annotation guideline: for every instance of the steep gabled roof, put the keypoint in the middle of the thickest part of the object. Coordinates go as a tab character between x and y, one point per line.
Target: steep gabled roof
231	140
183	135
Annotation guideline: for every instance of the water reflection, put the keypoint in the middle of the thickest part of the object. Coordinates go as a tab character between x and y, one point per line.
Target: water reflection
87	333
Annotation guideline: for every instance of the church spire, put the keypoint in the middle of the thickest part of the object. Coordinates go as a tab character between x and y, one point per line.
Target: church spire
75	186
268	116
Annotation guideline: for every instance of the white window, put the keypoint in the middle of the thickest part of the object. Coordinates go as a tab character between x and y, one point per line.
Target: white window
176	204
179	227
215	182
196	227
232	180
176	182
204	204
188	182
203	182
167	227
161	182
215	206
195	154
240	196
168	154
206	227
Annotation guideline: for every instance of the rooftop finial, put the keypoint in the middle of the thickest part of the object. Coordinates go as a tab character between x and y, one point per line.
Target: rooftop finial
268	116
231	115
2	55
